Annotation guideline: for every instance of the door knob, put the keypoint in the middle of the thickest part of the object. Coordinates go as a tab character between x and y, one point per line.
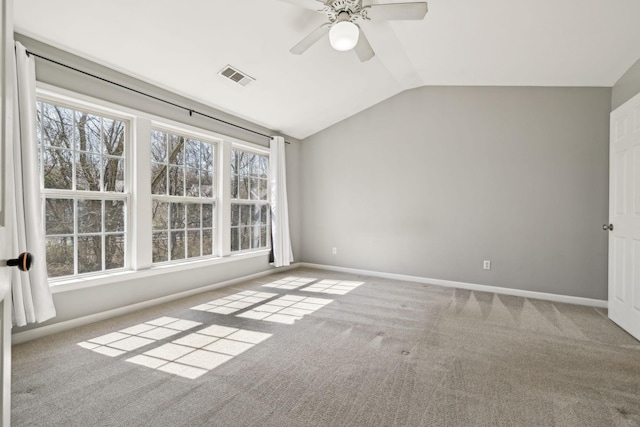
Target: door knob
23	262
608	227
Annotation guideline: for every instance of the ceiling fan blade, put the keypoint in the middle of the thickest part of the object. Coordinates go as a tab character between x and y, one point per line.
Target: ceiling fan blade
316	5
397	11
363	48
308	41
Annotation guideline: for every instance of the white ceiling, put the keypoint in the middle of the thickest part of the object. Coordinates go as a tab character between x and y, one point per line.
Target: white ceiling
181	45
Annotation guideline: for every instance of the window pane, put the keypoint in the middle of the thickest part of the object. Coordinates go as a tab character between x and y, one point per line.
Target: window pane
176	181
245	214
235	239
88	172
192	154
193	239
234	162
265	214
264	189
176	150
235	215
113	174
160	247
160	215
254	165
114	251
113	137
57	168
263	236
193	215
256	210
206	187
158	146
207	242
113	215
89	254
177	245
59	216
243	163
159	178
254	189
89	216
88	132
234	186
245	235
243	187
192	181
177	216
59	256
207	216
207	156
57	126
255	236
264	167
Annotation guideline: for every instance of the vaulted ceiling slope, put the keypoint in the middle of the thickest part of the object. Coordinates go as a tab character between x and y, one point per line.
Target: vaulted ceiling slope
181	46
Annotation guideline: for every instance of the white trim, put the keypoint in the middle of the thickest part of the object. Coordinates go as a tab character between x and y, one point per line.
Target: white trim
84	282
567	299
43	331
55	328
250	147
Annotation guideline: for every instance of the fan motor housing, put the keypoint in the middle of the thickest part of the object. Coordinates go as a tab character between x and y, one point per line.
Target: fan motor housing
353	8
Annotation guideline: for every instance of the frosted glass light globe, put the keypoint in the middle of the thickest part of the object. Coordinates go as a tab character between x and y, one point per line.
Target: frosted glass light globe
344	36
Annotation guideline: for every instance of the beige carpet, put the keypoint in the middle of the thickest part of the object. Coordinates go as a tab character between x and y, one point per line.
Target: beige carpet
381	353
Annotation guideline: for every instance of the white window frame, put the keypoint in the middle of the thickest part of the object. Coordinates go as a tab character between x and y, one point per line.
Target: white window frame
139	203
251	202
75	195
215	142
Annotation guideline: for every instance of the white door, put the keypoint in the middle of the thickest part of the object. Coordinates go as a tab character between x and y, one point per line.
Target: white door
624	217
6	49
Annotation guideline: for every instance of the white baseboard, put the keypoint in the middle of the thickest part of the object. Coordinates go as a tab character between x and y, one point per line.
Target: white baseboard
462	285
55	328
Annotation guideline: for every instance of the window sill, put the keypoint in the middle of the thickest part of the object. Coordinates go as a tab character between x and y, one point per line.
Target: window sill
108	278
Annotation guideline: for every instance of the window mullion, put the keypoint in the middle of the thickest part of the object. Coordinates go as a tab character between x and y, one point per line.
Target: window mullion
224	206
141	206
75	236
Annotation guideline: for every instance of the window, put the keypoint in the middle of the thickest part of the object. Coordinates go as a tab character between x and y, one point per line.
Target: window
112	203
249	201
84	188
183	207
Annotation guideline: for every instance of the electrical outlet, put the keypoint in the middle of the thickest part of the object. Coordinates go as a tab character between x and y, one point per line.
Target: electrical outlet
334	251
486	264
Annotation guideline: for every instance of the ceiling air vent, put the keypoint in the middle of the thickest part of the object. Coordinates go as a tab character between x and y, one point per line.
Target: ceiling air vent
236	75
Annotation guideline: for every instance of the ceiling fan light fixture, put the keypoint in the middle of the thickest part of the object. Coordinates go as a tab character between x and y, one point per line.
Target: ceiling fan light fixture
344	35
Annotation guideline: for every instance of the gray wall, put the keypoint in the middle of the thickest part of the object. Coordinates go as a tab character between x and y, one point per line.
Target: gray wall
78	303
626	87
435	180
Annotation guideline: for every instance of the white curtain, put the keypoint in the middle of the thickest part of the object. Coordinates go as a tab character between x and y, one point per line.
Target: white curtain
282	252
32	301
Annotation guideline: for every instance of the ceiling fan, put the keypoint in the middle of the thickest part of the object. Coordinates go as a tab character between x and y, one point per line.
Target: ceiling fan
343	15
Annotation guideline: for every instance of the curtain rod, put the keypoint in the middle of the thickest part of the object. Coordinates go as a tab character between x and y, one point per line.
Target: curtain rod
190	110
